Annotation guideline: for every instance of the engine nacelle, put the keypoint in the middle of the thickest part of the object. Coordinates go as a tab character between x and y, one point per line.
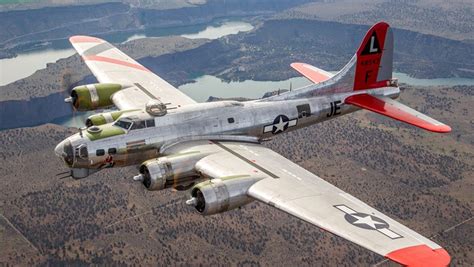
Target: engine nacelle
93	96
221	194
175	171
103	118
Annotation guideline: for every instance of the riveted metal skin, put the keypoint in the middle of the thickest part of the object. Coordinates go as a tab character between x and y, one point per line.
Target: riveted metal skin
205	121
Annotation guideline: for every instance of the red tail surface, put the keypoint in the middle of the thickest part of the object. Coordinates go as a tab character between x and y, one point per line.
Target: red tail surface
374	58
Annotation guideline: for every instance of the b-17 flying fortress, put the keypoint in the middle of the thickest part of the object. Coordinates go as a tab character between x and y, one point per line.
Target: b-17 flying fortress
215	150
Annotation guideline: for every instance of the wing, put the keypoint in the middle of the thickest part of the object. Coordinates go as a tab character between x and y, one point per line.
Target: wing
290	188
316	75
388	107
110	65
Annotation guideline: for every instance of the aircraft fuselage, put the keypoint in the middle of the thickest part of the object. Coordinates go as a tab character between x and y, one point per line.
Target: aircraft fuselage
259	119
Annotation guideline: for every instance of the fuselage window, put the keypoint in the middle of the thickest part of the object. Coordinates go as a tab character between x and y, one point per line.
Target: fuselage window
230	120
123	124
112	150
150	123
100	152
303	110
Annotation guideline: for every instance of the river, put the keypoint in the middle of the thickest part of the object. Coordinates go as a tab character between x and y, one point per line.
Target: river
25	64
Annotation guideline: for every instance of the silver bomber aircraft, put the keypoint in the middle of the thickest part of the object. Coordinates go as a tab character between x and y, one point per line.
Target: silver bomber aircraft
214	149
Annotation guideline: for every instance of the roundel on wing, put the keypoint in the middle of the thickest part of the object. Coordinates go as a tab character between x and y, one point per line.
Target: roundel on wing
366	221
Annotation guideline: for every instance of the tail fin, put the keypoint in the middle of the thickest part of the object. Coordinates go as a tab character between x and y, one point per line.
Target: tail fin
374	58
369	68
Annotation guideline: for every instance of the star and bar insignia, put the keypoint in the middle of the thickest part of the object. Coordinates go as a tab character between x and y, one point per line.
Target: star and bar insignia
280	124
367	221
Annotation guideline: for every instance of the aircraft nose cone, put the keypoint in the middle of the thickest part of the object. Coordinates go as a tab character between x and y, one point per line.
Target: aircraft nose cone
59	150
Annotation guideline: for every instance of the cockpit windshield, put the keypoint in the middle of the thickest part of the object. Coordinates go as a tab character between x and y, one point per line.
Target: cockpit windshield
123	124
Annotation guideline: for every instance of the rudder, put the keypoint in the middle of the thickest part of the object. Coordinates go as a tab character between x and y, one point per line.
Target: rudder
374	58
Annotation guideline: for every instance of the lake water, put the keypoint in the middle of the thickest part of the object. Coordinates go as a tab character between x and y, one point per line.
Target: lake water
25	64
208	85
405	78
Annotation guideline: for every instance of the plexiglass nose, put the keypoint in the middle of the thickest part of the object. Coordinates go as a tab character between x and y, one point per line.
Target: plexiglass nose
59	150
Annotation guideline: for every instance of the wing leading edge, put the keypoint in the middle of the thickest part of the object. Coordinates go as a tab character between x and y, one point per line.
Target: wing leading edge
110	65
286	186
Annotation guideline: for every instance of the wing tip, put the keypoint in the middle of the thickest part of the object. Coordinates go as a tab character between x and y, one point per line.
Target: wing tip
295	64
420	255
84	39
441	129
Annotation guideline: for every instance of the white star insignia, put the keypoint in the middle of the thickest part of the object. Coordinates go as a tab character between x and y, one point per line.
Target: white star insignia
367	220
280	126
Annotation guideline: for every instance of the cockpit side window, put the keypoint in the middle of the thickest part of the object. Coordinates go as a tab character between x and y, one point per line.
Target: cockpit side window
138	125
123	124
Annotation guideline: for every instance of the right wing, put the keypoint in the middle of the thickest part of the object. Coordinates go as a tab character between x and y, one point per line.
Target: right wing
316	75
110	65
286	186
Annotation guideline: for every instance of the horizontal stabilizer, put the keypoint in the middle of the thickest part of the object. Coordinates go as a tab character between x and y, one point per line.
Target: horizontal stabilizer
396	110
312	73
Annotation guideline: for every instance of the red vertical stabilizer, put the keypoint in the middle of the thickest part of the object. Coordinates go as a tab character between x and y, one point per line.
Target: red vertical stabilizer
374	58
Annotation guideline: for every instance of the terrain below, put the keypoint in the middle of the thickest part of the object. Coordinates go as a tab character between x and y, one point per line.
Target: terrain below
424	180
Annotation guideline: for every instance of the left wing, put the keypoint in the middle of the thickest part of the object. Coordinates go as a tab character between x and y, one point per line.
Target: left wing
110	65
290	188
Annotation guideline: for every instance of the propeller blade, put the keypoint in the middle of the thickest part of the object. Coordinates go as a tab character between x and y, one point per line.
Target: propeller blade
138	178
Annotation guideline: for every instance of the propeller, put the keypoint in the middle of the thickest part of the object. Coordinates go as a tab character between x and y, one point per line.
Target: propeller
140	178
67	83
64	175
